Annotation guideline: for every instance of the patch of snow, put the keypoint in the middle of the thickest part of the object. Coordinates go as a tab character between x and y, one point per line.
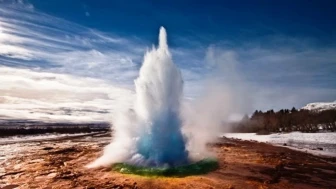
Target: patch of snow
314	143
320	106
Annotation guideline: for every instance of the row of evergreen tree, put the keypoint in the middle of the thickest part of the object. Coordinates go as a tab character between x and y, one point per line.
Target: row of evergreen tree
286	120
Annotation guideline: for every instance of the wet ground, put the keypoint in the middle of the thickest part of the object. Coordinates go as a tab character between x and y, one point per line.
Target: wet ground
243	164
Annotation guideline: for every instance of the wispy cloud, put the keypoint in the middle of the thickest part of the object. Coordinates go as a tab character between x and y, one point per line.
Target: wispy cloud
276	71
49	65
18	3
29	38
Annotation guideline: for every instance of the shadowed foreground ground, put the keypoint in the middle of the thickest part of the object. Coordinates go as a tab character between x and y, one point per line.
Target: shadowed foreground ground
243	164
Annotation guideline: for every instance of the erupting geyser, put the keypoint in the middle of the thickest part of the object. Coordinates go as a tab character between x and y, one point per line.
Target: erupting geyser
150	134
158	94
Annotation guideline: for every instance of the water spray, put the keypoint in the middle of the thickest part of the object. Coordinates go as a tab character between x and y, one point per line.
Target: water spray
148	138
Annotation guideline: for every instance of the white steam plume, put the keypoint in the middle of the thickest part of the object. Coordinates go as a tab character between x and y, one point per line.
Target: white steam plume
224	96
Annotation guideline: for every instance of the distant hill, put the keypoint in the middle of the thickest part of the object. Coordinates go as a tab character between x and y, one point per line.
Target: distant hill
11	127
320	106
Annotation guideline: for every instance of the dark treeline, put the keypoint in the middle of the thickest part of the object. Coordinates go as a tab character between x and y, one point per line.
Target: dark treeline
287	120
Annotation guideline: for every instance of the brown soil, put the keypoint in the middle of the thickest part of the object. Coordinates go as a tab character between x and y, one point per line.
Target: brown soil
243	164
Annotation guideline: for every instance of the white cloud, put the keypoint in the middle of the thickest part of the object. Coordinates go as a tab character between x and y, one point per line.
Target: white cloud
16	52
40	95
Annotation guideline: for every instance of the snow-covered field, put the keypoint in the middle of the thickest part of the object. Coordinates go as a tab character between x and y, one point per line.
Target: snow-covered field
315	143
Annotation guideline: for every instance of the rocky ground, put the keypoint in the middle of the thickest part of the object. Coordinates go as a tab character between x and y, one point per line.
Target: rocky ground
243	164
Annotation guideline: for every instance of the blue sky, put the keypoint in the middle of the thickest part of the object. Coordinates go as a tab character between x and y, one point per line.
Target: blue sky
284	52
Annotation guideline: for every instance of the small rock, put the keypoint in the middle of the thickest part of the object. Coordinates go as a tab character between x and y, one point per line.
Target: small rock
52	175
40	178
285	144
17	166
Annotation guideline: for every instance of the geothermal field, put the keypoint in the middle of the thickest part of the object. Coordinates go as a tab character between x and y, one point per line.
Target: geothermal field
158	144
61	163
